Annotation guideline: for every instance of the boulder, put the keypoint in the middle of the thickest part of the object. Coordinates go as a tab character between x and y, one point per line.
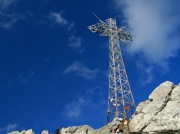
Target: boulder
14	132
45	132
175	95
30	131
78	130
160	114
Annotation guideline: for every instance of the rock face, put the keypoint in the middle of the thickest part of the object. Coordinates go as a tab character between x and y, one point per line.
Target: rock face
160	114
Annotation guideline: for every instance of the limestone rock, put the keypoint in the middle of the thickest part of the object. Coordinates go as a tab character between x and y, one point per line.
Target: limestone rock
141	106
162	91
176	94
103	130
114	123
14	132
160	114
30	131
108	129
45	132
78	130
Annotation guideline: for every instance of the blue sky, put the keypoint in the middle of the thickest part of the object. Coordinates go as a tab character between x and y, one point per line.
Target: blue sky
54	71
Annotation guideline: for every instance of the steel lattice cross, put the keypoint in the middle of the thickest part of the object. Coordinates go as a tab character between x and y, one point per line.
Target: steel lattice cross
120	99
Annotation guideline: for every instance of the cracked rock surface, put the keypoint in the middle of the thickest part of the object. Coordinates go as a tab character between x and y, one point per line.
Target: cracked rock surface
160	114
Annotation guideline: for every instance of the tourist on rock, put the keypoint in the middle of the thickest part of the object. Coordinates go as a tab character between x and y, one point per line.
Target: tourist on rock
119	129
57	131
87	131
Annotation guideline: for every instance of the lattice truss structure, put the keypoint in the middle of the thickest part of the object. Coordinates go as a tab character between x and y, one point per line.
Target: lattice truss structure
120	99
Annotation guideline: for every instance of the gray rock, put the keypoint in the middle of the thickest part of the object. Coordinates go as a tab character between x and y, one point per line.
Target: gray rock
108	129
162	91
160	114
14	132
175	96
141	106
78	130
45	132
30	131
104	130
114	123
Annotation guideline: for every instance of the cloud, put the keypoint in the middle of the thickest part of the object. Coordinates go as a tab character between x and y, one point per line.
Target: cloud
71	26
154	26
8	20
57	18
8	128
146	73
75	43
26	79
78	69
75	108
4	4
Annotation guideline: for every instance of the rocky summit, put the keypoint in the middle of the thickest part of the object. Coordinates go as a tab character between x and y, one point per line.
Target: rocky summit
159	114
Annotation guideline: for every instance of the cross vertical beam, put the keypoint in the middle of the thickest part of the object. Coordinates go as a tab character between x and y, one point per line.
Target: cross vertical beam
120	99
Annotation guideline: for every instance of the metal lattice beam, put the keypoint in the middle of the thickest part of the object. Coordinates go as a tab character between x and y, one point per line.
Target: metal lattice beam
120	99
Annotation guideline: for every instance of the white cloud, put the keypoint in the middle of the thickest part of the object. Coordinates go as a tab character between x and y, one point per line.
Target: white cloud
78	107
7	21
4	4
71	26
8	128
146	73
57	18
154	27
25	79
74	41
78	69
75	108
